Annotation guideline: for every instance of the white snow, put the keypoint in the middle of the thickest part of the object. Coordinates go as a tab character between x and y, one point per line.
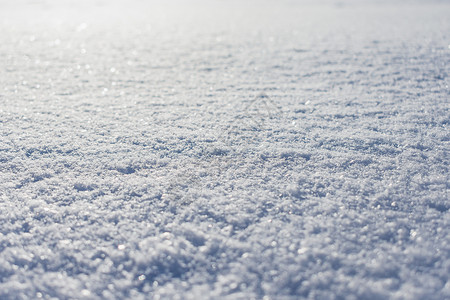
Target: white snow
205	150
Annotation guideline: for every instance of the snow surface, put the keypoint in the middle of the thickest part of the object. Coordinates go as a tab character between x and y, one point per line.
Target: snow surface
238	150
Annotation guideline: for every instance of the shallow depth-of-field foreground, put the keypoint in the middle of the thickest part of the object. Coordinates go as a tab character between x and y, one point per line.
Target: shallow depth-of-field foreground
224	149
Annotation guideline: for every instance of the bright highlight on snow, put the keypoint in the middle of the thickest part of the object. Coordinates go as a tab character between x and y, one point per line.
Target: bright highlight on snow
224	150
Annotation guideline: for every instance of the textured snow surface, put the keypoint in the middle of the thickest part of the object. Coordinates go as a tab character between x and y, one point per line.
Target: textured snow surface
276	150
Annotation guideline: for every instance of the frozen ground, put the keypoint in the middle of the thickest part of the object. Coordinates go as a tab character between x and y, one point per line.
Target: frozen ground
136	162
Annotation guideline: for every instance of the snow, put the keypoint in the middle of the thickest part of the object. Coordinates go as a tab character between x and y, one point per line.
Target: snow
204	150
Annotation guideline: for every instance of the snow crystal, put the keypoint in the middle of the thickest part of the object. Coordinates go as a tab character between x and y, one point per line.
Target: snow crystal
242	150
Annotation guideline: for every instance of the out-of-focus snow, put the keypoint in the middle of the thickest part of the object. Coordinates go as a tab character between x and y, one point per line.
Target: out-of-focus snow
223	149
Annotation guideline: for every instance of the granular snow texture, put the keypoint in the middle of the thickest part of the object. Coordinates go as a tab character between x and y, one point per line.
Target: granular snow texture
238	150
